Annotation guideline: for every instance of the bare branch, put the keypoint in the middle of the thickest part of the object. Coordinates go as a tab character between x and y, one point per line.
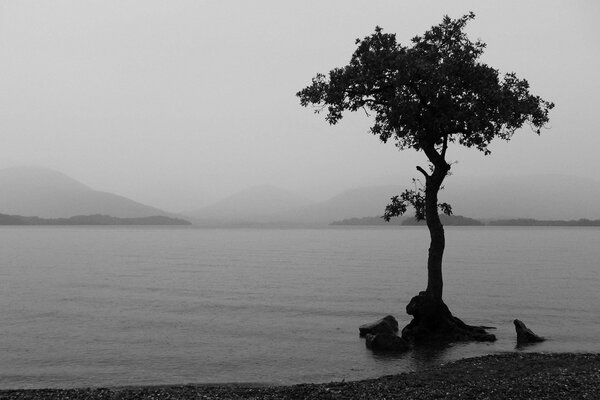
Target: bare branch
445	146
421	170
436	158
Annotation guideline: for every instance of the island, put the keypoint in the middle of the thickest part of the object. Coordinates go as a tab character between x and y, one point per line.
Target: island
459	220
448	220
542	222
94	219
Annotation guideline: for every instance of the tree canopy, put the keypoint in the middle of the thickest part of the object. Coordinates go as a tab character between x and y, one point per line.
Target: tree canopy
430	93
425	96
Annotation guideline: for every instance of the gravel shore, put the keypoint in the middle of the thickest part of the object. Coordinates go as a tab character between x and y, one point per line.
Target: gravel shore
503	376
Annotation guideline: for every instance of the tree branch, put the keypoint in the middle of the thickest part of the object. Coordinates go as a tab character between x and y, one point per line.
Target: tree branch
445	147
421	170
435	157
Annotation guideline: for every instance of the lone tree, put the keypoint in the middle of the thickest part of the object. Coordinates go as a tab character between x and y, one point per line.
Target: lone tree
426	96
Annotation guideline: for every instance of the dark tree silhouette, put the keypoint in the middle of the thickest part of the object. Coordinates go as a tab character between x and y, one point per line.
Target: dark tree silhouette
427	96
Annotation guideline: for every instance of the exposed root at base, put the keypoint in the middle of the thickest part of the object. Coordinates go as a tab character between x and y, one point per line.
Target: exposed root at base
433	322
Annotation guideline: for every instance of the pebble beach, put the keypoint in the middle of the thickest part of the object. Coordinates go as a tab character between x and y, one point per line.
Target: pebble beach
499	376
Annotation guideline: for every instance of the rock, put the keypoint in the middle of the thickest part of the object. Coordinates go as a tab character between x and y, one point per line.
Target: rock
386	342
525	335
387	324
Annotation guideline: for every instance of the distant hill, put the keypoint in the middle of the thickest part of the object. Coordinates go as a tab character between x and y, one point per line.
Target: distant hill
359	202
258	204
544	197
51	194
96	219
269	204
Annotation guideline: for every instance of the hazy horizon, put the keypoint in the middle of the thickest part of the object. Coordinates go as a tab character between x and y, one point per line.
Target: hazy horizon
179	104
47	193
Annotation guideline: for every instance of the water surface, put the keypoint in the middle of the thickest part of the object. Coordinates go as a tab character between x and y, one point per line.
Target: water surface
104	306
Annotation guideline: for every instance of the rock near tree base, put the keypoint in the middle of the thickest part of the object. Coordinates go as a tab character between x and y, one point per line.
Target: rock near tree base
386	342
387	324
381	335
525	335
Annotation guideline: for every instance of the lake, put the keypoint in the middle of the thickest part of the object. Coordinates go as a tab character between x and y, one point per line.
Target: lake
106	306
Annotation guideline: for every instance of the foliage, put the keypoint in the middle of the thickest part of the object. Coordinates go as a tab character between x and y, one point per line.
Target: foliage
426	95
415	198
430	92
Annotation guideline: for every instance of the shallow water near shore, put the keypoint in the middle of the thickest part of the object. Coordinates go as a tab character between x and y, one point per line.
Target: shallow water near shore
113	306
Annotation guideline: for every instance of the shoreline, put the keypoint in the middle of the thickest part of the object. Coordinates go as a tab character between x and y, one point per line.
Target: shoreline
511	375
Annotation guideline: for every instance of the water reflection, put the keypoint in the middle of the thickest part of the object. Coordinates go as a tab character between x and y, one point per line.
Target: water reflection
418	357
427	356
526	346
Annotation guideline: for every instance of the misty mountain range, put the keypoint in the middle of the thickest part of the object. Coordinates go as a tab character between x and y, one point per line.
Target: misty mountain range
542	197
46	193
51	194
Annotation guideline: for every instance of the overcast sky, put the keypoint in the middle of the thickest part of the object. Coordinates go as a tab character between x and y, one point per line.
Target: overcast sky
179	103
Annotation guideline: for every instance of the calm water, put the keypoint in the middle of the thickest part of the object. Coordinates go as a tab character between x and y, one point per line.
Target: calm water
127	306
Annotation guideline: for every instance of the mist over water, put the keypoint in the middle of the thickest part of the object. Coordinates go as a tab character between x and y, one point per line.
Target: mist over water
108	306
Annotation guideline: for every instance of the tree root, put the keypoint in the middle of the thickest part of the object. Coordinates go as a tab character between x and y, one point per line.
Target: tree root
433	323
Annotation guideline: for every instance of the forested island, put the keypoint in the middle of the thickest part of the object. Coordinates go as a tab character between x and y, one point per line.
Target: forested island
449	220
95	219
459	220
538	222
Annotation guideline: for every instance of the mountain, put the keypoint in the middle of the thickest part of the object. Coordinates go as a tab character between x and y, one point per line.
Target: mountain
51	194
269	204
544	197
359	202
258	204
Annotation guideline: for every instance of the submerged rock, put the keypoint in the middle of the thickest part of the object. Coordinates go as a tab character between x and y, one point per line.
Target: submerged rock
525	335
387	324
386	342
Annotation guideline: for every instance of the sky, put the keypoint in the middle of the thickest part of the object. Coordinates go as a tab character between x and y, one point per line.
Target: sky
180	103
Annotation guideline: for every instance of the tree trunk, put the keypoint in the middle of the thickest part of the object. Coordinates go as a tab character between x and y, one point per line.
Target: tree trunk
432	320
435	283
